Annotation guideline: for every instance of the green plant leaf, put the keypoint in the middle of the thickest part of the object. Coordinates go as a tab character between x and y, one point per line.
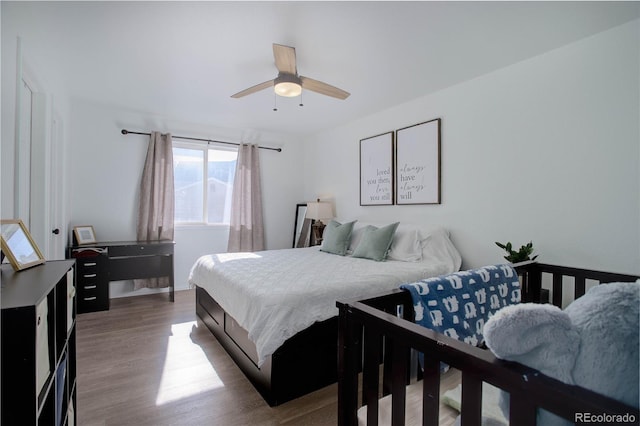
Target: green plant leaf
521	255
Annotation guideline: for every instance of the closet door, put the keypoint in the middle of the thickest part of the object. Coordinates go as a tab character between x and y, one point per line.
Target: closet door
39	187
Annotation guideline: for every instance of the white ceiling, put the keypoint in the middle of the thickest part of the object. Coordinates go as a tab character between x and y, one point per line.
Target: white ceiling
183	60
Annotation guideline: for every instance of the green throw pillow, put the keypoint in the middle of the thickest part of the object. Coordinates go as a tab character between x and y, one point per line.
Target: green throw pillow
375	242
336	236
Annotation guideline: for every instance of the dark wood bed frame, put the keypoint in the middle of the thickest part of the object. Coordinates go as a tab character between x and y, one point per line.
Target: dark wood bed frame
371	333
304	363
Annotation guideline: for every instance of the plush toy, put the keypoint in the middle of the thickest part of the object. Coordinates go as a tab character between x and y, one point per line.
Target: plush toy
593	343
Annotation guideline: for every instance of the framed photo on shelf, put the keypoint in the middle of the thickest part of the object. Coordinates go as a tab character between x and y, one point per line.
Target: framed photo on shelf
376	170
418	164
84	234
19	246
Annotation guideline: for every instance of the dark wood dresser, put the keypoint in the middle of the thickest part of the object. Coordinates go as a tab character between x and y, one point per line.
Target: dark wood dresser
100	263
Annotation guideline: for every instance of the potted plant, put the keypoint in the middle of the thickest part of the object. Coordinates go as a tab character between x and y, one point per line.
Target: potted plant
521	255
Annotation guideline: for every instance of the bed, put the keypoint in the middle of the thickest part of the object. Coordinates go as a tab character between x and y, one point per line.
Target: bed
275	311
379	331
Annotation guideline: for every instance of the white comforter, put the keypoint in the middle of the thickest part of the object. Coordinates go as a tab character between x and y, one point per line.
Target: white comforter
275	294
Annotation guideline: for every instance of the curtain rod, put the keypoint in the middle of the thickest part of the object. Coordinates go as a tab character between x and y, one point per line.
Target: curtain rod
126	132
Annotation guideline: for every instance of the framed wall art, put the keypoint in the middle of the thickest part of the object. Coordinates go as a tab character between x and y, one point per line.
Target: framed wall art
418	164
376	170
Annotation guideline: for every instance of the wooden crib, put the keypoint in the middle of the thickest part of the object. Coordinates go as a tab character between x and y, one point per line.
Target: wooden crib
379	332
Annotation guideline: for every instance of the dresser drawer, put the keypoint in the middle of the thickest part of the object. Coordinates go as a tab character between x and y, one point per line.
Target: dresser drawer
90	265
92	296
90	289
92	284
141	249
90	274
92	303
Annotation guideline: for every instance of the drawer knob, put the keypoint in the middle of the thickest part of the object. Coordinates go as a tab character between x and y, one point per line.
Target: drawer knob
90	298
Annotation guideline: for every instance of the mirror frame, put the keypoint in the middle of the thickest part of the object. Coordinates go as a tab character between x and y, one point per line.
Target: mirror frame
301	227
9	251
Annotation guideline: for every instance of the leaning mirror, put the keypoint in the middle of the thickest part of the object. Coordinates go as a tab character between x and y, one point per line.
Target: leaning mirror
302	227
18	245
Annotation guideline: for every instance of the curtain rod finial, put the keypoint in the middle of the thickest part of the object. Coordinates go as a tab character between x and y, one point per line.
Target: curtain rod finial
124	131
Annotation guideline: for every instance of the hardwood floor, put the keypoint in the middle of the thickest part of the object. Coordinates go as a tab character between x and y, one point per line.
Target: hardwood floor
147	361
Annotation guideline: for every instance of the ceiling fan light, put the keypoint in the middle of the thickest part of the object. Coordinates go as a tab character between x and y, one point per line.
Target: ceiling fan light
288	89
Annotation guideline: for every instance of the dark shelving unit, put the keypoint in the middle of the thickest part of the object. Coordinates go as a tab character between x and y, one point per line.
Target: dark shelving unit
39	345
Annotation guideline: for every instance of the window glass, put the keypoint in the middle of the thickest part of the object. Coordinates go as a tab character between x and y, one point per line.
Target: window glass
195	203
221	169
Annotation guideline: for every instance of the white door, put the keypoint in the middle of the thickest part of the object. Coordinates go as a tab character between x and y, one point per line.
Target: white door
39	184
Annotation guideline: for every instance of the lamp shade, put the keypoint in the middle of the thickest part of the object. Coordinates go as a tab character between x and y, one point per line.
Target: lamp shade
287	85
318	211
288	89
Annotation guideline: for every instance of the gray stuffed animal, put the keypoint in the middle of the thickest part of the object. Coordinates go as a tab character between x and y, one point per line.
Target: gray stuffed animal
593	343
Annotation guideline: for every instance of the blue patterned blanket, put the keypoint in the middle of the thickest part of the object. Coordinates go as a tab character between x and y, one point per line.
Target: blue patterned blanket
458	305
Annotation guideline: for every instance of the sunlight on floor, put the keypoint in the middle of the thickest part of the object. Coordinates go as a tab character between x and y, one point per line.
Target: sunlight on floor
186	371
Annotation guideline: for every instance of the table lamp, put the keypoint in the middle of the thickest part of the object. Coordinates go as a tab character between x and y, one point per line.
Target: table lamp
318	211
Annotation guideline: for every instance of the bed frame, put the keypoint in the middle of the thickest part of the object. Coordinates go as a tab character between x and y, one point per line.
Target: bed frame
380	331
304	363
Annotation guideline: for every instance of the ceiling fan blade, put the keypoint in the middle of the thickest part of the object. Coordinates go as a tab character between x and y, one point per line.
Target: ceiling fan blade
253	89
323	88
285	57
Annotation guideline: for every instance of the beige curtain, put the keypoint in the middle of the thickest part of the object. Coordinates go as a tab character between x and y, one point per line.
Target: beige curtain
246	231
155	214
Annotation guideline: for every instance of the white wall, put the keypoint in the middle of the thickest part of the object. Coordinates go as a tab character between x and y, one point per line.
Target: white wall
544	150
8	147
105	171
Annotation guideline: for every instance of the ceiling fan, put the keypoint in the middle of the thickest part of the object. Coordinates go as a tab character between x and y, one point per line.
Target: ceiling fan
288	83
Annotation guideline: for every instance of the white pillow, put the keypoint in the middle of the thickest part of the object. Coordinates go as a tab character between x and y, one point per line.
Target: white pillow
405	246
437	246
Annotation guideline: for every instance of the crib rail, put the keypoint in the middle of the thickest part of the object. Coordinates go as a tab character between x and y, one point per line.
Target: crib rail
531	274
371	333
528	388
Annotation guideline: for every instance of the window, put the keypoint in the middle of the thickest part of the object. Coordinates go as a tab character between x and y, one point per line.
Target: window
195	201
